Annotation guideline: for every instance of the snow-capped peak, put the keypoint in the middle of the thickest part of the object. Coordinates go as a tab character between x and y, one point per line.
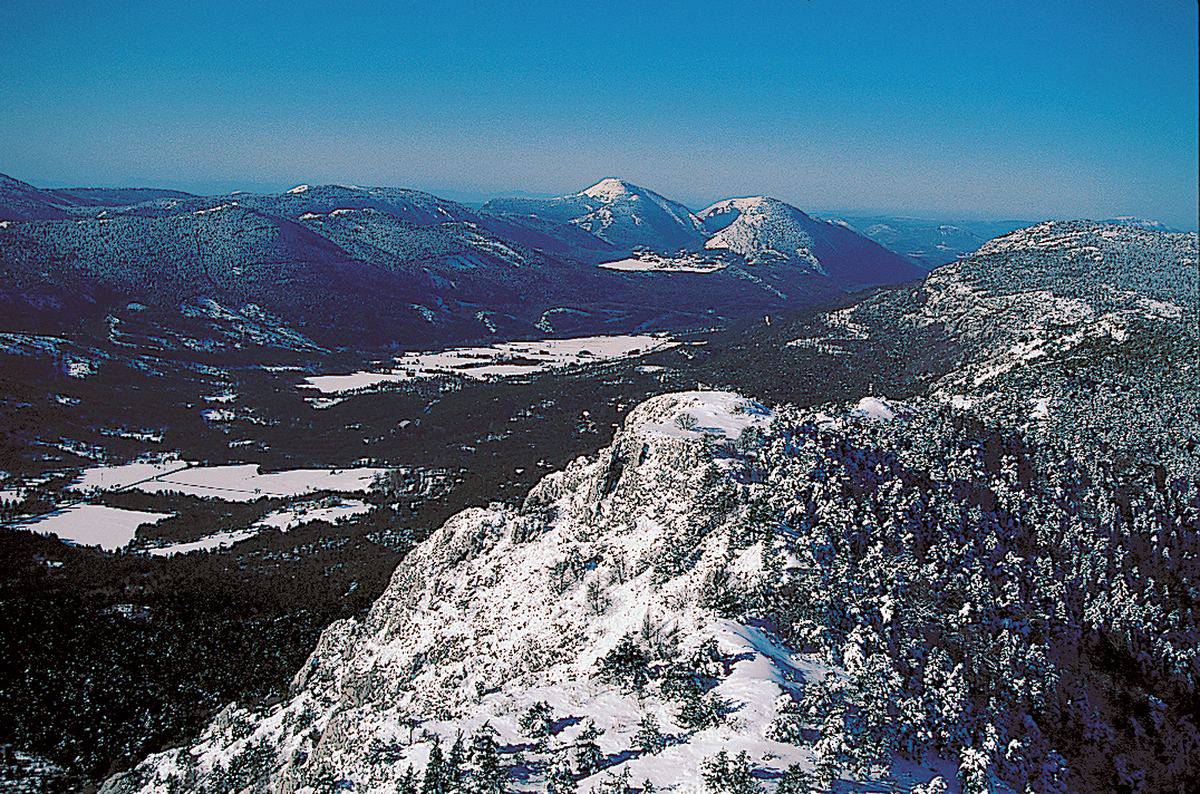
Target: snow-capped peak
624	214
299	189
761	229
611	189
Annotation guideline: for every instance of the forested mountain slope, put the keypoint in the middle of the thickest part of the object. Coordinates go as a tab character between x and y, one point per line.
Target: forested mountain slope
766	231
377	268
994	581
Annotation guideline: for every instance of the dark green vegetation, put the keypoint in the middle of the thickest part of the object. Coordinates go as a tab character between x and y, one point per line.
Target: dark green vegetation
994	598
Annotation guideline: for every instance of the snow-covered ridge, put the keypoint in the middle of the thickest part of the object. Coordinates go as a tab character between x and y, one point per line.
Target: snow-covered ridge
505	608
1079	237
697	415
722	213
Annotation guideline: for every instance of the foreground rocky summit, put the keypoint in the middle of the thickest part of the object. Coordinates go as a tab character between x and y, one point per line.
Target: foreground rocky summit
592	634
989	585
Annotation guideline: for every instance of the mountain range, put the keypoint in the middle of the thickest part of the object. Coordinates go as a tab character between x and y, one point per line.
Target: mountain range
380	267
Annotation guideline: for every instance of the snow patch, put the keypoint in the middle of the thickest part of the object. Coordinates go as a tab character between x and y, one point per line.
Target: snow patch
110	528
499	361
698	414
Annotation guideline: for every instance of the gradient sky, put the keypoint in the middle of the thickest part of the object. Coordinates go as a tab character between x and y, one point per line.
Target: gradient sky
972	109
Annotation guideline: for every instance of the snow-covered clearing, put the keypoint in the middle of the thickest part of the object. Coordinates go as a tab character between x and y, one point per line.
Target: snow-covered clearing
110	528
503	360
217	540
653	263
307	512
242	482
116	477
875	409
283	520
245	483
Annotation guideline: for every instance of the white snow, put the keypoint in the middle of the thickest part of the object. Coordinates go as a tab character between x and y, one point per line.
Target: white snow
233	483
223	397
306	513
217	208
110	528
245	483
299	189
609	189
291	517
699	414
114	478
762	229
503	360
12	494
217	540
80	368
654	263
875	409
479	622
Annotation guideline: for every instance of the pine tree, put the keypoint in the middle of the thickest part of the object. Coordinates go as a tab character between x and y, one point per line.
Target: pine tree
408	782
587	752
615	784
649	737
627	664
435	771
795	781
454	763
560	778
725	775
487	775
536	721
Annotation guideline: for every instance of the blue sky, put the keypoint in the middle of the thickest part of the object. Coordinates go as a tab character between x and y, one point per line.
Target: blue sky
988	109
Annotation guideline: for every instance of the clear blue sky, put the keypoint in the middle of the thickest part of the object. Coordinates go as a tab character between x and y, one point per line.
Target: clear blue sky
978	109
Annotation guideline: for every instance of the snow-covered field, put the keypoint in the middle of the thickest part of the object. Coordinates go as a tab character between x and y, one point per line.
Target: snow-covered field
656	263
234	483
504	360
116	477
331	510
245	483
306	512
110	528
217	540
